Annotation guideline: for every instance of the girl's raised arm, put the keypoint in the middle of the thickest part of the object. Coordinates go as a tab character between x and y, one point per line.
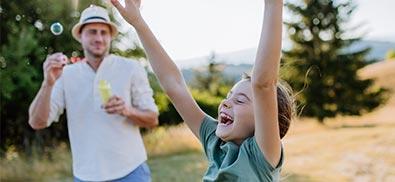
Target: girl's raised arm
264	82
165	70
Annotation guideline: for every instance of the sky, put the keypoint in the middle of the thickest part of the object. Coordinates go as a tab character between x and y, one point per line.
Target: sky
195	28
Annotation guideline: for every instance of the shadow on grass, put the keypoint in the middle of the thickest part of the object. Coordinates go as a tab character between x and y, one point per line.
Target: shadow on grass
345	126
293	177
182	167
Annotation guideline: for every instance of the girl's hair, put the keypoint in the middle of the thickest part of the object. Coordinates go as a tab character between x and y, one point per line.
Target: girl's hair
285	104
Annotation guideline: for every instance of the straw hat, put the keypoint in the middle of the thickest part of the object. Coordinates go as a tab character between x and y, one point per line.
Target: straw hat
93	14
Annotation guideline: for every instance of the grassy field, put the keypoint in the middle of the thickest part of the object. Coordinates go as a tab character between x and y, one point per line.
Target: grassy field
344	149
335	152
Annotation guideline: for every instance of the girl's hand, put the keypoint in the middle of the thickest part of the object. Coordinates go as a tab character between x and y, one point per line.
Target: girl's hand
131	11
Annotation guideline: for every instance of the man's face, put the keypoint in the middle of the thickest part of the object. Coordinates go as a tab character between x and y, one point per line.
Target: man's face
96	39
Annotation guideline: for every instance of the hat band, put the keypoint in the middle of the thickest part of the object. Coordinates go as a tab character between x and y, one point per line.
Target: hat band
94	17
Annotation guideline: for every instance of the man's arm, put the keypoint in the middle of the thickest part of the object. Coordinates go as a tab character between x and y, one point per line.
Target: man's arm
40	107
143	118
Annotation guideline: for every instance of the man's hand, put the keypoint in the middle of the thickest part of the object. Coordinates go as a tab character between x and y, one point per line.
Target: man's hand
131	11
53	67
116	105
141	118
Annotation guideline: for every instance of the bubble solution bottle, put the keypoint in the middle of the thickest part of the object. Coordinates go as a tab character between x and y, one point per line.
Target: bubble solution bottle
105	91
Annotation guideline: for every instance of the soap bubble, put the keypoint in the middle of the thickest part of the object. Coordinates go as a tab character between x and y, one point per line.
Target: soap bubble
18	17
39	25
56	28
3	63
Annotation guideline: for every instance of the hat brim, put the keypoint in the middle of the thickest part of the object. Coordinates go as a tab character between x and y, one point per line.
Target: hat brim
76	31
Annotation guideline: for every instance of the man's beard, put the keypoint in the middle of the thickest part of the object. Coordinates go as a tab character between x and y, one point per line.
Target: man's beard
97	55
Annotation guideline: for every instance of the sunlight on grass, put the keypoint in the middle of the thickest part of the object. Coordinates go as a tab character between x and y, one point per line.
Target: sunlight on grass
171	140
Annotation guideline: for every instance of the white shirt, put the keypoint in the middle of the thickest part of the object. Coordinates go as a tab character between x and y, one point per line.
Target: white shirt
104	146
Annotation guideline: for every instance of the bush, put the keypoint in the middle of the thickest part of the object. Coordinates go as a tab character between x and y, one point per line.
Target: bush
390	55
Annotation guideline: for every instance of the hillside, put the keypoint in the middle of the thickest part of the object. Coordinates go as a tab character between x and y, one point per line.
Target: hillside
383	71
346	148
384	74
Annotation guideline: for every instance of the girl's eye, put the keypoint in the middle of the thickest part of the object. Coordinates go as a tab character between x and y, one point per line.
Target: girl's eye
239	101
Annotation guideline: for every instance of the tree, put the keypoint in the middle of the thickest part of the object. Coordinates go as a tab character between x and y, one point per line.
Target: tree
321	66
211	78
25	42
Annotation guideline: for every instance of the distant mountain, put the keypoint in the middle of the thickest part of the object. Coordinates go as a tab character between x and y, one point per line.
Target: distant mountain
379	48
238	62
246	56
231	71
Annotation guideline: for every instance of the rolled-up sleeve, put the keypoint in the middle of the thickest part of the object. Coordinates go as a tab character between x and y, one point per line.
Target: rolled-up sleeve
57	102
142	94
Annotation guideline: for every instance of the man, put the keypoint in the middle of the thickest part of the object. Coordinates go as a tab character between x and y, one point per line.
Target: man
106	144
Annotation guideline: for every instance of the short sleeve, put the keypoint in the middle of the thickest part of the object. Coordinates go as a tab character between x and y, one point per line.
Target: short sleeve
57	101
207	131
142	94
255	154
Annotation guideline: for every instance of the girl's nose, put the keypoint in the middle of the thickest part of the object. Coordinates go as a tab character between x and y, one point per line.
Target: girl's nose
226	104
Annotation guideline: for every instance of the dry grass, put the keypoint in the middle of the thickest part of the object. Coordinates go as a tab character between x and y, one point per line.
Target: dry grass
340	152
383	71
38	167
384	75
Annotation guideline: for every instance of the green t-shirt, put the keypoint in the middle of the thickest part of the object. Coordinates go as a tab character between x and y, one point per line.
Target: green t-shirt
229	162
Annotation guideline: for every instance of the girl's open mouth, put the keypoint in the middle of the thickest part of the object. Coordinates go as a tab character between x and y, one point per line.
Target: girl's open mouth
225	119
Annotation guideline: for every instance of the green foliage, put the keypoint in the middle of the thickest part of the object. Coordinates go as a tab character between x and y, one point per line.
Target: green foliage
137	52
211	78
169	115
320	65
208	102
25	41
390	54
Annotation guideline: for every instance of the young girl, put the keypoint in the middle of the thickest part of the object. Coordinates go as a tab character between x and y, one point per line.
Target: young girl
244	143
